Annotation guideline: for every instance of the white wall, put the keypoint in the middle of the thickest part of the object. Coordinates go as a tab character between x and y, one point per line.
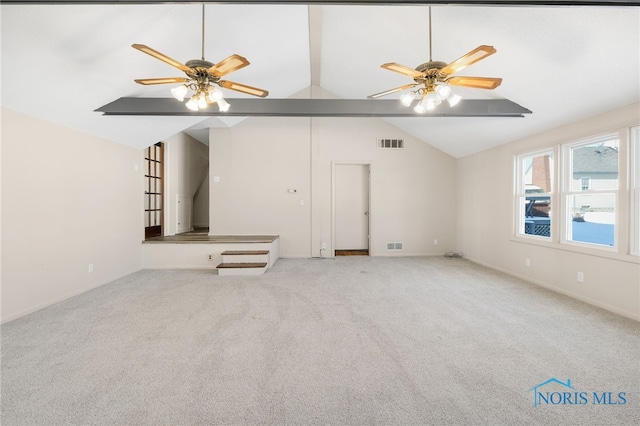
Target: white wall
186	165
201	203
256	162
68	200
412	190
485	224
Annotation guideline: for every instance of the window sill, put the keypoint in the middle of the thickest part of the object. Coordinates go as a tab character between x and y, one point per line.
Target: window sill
607	253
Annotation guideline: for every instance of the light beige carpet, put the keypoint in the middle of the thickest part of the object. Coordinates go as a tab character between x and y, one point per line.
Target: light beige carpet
355	340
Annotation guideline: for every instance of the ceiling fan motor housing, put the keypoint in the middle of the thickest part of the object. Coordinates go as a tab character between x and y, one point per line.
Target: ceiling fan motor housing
199	63
431	65
199	70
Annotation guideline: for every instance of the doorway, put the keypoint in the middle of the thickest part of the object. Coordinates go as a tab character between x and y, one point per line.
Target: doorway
351	209
153	190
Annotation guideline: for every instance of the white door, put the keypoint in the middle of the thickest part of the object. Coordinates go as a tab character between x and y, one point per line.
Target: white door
351	207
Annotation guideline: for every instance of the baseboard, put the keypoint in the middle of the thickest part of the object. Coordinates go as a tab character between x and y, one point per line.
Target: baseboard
573	295
406	254
52	302
190	267
370	255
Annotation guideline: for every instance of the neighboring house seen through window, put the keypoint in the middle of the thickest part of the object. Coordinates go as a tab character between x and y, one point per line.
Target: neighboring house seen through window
595	203
534	190
591	208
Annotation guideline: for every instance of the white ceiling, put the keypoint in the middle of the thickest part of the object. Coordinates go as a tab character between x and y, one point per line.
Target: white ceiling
61	62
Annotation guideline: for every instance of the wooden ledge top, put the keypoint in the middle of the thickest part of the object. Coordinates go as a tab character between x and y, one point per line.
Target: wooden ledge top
202	238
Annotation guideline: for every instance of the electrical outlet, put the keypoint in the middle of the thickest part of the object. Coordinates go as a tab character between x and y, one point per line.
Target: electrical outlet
90	270
580	277
435	242
324	246
527	261
210	257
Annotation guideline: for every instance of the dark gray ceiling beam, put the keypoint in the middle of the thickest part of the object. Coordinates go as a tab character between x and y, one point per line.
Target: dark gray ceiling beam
314	108
352	2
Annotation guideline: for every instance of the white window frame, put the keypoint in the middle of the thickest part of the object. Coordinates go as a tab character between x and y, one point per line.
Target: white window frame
566	192
520	194
634	190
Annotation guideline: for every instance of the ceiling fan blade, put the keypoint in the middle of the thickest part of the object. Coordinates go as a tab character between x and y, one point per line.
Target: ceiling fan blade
243	88
475	82
470	58
166	80
390	91
164	58
228	65
392	66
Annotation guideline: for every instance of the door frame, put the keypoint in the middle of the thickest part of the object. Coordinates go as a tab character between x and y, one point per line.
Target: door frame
335	164
160	190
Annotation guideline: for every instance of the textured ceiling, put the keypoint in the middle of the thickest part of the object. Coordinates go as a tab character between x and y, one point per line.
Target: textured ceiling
61	62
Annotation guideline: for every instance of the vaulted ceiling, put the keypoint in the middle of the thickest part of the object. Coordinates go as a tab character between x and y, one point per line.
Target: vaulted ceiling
61	62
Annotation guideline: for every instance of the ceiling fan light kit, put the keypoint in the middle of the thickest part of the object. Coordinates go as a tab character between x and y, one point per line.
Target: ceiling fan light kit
433	80
202	77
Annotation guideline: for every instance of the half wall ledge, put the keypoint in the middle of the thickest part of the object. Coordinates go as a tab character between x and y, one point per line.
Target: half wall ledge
202	251
314	108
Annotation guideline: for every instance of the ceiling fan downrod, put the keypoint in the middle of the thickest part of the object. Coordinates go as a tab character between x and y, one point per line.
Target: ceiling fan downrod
203	31
430	38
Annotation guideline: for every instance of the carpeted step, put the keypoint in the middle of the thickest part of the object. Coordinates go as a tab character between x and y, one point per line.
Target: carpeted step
245	256
242	268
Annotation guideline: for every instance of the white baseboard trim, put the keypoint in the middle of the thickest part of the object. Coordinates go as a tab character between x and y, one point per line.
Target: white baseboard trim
52	302
571	294
176	267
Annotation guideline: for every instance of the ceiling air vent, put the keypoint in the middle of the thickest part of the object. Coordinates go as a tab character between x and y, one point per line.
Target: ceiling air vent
391	143
395	246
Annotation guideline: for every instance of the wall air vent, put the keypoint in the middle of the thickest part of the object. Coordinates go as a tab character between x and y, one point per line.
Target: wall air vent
390	143
395	246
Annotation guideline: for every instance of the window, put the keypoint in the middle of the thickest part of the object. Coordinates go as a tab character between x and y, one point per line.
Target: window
534	194
585	183
635	190
590	191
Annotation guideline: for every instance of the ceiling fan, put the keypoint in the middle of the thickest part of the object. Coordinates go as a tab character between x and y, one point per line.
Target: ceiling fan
202	77
432	79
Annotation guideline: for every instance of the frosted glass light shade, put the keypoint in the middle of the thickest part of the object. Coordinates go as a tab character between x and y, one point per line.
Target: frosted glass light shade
430	101
179	92
192	104
223	105
202	101
443	91
454	100
407	98
214	94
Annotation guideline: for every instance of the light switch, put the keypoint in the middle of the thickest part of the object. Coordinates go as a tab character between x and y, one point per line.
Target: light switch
216	179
